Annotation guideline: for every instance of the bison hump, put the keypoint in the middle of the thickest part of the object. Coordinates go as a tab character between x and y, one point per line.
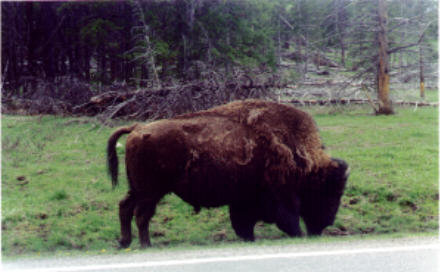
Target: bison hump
224	140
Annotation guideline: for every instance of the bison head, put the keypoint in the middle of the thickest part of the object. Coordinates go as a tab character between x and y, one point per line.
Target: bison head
321	195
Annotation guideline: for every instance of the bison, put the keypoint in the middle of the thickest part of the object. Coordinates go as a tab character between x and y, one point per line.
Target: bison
263	159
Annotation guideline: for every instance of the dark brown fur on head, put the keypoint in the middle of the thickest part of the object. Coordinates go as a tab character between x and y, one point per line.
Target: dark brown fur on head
321	194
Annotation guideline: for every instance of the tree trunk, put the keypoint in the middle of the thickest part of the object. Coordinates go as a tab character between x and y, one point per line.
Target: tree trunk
32	39
422	76
306	61
402	38
102	65
143	83
340	28
383	77
279	42
86	64
342	52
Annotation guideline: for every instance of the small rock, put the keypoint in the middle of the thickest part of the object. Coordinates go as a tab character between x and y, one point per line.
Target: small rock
21	178
391	197
42	216
353	201
158	233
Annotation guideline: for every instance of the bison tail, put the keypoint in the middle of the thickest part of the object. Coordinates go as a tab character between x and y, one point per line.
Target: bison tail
112	157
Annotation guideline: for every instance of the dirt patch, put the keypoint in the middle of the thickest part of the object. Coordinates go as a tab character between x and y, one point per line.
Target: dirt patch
353	201
158	233
42	216
367	230
220	235
408	204
336	232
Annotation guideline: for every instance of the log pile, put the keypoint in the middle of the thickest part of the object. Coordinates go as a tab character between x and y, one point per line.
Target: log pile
160	102
356	102
141	104
166	102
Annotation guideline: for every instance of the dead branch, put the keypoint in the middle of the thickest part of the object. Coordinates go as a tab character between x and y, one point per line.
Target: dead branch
166	102
356	102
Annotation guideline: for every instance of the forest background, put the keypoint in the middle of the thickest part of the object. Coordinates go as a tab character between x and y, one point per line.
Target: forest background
192	54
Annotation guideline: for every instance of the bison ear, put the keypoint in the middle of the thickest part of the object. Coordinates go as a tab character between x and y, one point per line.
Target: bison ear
146	136
342	167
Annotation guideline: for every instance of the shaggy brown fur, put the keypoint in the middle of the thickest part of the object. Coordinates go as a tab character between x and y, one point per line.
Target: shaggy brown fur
291	134
265	160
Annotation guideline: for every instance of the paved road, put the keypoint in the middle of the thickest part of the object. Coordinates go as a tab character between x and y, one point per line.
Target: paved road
409	254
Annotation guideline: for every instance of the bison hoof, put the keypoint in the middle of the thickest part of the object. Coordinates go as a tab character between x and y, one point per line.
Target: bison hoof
145	245
248	238
124	243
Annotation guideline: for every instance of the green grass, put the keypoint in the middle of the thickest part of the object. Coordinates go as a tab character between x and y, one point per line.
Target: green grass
393	185
56	196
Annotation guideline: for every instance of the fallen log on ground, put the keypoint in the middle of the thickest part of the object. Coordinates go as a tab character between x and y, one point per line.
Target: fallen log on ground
356	102
169	101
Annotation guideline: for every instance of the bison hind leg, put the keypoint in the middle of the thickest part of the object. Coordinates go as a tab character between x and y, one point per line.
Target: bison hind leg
197	209
144	210
243	221
126	209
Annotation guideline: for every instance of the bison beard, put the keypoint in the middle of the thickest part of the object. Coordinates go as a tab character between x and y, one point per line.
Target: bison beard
262	159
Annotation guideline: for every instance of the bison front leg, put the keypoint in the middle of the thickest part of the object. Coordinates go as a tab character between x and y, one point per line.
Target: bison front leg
243	221
287	219
126	208
144	211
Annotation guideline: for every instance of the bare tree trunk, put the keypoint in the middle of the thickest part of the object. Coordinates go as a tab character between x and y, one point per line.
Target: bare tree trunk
306	59
148	54
422	76
185	56
143	81
342	52
318	61
86	65
340	28
383	77
279	41
152	62
360	34
403	37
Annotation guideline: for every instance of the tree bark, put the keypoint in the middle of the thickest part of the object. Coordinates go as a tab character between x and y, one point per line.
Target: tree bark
279	42
340	27
383	77
422	76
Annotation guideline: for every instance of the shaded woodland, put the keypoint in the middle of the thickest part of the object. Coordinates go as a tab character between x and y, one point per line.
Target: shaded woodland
155	59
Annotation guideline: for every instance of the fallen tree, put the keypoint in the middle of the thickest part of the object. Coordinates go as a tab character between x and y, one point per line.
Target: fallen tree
143	104
163	102
356	102
169	101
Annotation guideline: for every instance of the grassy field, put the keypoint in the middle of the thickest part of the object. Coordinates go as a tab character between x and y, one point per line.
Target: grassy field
56	195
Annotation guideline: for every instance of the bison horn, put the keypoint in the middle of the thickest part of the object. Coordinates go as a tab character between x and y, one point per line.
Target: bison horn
347	173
